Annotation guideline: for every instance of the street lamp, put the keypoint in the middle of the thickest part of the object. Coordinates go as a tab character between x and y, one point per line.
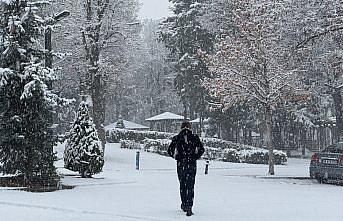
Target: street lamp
48	44
48	64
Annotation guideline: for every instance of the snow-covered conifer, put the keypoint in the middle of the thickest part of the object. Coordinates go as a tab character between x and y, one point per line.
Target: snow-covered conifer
26	102
187	41
120	123
84	152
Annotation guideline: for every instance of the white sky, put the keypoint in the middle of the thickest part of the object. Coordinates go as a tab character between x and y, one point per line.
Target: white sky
154	9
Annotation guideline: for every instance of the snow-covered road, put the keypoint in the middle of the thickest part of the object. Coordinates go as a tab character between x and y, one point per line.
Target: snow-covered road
237	192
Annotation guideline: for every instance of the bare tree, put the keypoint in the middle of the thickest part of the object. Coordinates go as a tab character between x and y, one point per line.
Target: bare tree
253	62
107	24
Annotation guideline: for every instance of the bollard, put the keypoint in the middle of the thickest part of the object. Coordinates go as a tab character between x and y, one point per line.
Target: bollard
137	160
206	167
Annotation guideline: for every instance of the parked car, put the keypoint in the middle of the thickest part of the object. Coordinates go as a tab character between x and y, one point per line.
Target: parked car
328	164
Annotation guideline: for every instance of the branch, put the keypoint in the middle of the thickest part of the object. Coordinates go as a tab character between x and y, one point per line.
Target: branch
110	35
133	23
101	11
318	35
277	92
111	46
334	87
249	92
258	90
84	42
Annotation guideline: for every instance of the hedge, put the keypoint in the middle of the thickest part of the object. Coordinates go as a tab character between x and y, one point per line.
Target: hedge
215	149
116	135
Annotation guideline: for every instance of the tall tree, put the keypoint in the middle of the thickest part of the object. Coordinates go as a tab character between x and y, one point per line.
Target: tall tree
106	25
148	88
187	41
253	62
26	102
317	25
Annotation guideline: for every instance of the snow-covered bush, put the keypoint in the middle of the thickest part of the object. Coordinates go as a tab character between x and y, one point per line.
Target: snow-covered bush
231	155
248	154
116	135
260	156
159	146
130	144
84	152
215	149
212	153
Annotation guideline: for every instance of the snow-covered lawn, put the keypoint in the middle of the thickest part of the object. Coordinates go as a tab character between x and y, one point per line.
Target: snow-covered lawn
236	192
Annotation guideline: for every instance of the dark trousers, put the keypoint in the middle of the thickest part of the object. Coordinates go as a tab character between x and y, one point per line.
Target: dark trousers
186	172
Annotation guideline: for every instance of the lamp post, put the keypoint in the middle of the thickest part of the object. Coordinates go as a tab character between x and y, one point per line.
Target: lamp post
48	45
48	64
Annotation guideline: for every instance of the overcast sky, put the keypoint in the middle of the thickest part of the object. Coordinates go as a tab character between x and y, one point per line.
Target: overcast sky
154	9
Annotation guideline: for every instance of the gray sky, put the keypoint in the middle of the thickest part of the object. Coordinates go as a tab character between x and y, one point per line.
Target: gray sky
154	9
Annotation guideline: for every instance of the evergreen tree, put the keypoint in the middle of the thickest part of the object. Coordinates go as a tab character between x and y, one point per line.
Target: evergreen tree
25	100
84	152
184	36
120	123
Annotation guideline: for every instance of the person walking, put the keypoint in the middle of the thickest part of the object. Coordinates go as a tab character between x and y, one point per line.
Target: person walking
186	148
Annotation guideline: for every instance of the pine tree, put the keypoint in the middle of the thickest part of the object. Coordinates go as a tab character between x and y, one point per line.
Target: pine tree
120	123
84	152
184	36
25	100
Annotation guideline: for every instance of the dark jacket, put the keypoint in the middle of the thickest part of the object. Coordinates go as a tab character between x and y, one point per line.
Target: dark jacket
186	146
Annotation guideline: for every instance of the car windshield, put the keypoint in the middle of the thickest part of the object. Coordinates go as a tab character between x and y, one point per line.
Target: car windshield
336	148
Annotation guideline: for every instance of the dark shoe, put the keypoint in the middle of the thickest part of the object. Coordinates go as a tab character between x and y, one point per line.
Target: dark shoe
183	208
189	212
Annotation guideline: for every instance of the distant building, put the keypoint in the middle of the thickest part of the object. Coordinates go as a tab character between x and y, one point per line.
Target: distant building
166	122
127	125
196	126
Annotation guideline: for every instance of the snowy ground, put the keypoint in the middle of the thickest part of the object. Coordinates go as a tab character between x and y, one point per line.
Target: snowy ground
237	192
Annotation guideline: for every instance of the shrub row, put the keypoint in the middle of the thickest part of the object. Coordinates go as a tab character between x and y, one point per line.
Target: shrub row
116	135
215	149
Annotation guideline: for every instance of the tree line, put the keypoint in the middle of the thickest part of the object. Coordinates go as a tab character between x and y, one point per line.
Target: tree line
266	67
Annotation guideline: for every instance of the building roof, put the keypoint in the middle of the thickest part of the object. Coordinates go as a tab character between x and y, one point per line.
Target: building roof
128	125
165	116
197	120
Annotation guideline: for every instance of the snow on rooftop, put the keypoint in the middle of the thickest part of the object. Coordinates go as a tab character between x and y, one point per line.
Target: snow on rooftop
128	125
6	1
166	116
197	120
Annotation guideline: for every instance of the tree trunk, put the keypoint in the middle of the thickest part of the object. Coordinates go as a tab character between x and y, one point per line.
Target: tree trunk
268	138
91	36
219	132
337	98
200	123
250	141
185	110
99	106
